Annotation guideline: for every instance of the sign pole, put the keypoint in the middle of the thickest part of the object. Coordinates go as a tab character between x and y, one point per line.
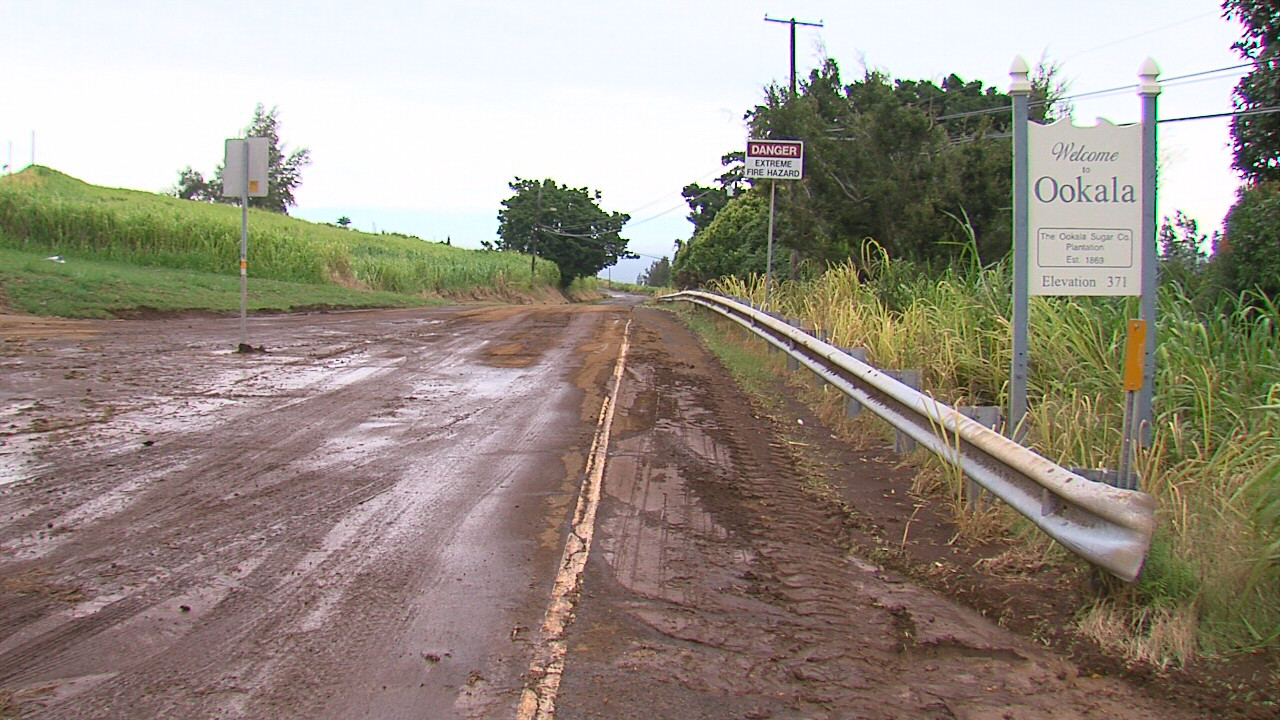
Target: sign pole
768	268
1020	90
245	175
1148	89
773	160
244	252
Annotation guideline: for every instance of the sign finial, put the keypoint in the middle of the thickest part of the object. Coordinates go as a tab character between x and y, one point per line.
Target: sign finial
1019	73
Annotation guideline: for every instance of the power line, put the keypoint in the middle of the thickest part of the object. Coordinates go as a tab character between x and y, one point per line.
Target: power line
632	223
1094	93
660	198
1206	72
1141	34
1234	114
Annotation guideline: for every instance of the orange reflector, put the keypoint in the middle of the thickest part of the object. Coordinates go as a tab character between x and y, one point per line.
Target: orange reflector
1135	348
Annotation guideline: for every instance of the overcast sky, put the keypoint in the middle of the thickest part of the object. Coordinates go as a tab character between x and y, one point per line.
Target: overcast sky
418	114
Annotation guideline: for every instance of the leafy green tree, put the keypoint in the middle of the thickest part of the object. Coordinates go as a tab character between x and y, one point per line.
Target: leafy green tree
344	222
898	161
735	243
1184	257
880	163
192	186
1257	137
564	225
705	201
658	274
914	165
284	169
1181	242
1247	258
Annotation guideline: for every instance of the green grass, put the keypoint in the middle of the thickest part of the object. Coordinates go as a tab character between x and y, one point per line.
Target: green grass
1212	583
97	289
755	372
44	211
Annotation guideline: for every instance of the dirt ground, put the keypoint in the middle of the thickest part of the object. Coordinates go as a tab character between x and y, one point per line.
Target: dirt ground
366	521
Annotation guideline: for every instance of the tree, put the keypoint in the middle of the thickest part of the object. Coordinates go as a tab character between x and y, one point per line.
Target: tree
897	161
658	274
1257	137
284	170
1183	257
735	243
1181	242
705	202
1248	257
564	225
192	186
344	222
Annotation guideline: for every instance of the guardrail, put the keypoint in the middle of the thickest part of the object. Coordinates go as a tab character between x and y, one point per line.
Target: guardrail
1107	526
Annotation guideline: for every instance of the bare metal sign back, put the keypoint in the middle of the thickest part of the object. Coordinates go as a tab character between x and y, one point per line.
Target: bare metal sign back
235	174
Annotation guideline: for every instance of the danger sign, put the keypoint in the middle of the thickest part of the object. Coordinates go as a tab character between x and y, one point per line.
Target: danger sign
775	159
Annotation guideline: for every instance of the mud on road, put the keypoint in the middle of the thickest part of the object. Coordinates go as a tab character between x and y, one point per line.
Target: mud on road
366	522
362	522
722	588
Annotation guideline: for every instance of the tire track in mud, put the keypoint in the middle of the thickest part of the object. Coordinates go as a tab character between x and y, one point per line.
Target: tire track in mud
238	451
261	566
722	588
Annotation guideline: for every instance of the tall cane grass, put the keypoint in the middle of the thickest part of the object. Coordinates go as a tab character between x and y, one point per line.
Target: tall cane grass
41	209
1213	578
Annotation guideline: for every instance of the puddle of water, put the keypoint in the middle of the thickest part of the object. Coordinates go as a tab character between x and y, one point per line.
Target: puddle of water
17	453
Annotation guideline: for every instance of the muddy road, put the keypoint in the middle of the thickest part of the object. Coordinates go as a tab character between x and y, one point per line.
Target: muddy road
370	520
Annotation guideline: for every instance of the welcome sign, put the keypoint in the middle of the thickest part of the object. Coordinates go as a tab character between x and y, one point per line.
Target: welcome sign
1085	209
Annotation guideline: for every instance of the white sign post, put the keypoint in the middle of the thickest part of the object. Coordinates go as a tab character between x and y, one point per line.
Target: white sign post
773	160
244	174
1085	208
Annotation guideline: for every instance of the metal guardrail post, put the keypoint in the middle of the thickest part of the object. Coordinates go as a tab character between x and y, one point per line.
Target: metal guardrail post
852	408
792	363
989	416
902	442
820	382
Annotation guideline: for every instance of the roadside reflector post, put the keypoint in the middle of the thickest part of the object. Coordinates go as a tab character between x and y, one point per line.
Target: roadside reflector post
1135	356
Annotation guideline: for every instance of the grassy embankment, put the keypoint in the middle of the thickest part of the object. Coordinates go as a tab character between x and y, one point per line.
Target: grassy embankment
1212	581
129	250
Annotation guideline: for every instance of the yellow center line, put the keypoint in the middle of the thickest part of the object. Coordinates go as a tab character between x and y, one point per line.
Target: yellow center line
538	700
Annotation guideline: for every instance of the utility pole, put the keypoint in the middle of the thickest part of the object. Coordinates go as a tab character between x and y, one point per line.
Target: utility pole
537	229
793	23
794	270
